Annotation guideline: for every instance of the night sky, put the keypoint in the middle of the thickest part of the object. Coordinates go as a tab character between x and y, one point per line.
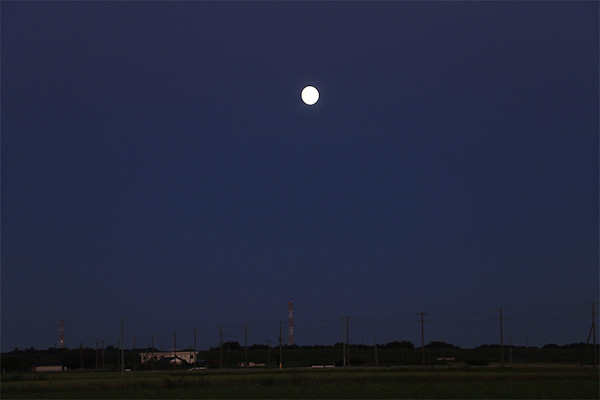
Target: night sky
158	165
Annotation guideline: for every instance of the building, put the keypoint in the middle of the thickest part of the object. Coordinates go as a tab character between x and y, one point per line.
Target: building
178	357
48	366
252	364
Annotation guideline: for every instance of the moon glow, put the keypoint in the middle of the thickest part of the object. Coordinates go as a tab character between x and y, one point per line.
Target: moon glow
310	95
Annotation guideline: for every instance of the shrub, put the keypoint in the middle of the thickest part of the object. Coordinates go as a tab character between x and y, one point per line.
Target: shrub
477	362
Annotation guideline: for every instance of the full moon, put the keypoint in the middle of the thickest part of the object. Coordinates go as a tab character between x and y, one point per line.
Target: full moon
310	95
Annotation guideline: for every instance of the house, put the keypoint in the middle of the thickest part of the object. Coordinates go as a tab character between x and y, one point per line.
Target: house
48	366
172	356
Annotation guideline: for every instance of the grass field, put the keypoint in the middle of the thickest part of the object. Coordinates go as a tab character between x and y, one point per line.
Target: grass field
471	383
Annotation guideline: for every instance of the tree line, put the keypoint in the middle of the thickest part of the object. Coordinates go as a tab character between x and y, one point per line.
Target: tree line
232	354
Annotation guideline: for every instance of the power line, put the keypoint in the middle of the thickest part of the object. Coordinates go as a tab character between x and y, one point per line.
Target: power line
549	308
469	321
325	321
396	318
547	319
519	318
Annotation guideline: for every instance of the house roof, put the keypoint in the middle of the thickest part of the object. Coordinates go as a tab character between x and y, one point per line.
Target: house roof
171	359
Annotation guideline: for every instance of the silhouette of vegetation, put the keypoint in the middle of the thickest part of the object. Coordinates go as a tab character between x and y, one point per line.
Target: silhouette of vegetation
399	345
393	353
440	345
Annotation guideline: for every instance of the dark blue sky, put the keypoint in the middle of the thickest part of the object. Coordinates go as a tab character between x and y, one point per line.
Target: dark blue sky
158	165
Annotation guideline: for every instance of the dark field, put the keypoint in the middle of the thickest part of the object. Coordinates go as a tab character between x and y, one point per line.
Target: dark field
399	383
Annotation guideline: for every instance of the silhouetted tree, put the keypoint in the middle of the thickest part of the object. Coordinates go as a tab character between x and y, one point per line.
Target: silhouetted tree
551	346
579	345
258	346
232	345
399	345
440	345
488	346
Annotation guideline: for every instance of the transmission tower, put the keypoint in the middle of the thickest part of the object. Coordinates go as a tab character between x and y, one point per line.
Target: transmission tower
61	333
291	324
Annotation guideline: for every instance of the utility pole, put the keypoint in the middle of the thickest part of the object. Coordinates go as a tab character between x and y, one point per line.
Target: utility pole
268	352
280	348
422	314
348	341
501	340
290	324
594	333
175	350
96	353
152	352
220	347
246	345
122	348
509	350
344	341
81	359
376	350
102	342
362	347
195	352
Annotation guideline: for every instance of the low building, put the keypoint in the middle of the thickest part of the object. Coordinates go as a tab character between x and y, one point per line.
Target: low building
252	364
48	366
178	357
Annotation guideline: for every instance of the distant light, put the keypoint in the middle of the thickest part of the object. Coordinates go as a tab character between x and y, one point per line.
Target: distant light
310	95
